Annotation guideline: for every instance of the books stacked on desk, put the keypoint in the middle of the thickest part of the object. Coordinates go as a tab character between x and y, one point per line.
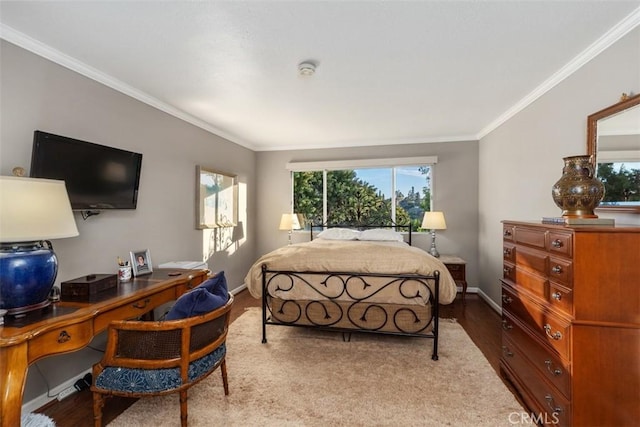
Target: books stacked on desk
577	221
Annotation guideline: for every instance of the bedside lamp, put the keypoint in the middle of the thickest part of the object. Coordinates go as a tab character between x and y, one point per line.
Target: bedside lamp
434	221
289	222
31	210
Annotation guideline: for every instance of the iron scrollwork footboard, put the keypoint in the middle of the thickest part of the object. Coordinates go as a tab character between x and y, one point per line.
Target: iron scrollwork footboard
394	304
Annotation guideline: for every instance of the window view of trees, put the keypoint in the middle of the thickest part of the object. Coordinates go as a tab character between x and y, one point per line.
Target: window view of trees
622	184
364	196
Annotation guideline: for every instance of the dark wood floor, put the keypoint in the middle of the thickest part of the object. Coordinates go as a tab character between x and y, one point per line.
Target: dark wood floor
480	321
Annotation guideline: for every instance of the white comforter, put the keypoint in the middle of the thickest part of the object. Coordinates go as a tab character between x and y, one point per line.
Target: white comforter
352	256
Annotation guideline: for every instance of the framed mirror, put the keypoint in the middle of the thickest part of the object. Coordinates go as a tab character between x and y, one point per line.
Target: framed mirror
613	139
216	199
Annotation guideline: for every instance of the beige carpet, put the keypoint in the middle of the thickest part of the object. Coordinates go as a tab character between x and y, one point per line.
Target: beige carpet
312	378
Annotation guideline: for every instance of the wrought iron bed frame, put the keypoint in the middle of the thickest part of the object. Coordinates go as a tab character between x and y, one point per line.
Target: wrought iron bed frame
356	302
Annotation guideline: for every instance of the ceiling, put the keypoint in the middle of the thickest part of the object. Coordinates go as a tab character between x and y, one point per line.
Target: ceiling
388	72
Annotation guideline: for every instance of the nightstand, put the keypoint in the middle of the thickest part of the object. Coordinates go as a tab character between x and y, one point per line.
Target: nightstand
457	268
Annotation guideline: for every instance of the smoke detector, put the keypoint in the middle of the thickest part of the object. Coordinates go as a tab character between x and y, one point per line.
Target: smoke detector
307	68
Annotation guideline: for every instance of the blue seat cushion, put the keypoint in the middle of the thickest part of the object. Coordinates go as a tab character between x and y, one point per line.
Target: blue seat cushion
156	380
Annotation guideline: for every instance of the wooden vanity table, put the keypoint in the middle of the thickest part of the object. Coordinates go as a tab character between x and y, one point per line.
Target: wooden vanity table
68	326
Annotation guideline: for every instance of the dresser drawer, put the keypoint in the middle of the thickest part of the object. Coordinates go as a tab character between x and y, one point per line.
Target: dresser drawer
509	253
61	340
507	232
534	283
556	408
530	237
560	243
554	369
560	298
509	272
561	271
546	325
532	260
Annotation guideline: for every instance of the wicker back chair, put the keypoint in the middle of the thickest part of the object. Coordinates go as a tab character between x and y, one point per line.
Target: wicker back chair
155	358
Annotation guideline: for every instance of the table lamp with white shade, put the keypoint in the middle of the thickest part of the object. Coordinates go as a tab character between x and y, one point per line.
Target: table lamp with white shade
434	221
289	221
31	212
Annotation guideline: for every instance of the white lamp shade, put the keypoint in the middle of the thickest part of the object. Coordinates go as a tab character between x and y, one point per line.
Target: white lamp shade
289	222
434	221
34	209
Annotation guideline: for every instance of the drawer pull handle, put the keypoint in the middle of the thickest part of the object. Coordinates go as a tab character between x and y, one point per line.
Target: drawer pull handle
555	372
557	269
551	404
507	233
142	304
63	337
506	351
506	270
557	243
554	336
506	325
506	251
556	296
506	299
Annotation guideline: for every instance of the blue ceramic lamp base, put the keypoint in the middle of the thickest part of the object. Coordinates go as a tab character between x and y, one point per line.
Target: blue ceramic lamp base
27	273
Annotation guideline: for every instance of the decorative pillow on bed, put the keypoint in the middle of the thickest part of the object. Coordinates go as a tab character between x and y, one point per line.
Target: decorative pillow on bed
339	234
381	234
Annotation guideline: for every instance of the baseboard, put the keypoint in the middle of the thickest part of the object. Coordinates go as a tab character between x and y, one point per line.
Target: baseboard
44	398
236	291
489	301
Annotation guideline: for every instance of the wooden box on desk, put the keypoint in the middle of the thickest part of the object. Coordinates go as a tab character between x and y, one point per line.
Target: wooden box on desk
87	288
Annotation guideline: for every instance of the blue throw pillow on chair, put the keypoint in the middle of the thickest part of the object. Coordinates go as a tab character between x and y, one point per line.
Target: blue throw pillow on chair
217	285
193	303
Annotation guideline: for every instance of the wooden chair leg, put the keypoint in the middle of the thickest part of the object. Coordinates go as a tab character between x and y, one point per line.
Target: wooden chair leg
98	403
183	408
223	369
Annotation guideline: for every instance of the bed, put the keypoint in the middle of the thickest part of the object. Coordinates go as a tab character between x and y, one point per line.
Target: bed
348	280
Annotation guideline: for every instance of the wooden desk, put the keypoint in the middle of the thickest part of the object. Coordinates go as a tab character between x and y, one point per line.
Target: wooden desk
69	326
457	268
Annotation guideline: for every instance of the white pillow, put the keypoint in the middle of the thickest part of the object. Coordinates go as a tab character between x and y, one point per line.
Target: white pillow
381	234
339	234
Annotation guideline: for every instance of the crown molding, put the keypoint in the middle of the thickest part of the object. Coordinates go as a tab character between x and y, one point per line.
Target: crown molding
607	39
28	43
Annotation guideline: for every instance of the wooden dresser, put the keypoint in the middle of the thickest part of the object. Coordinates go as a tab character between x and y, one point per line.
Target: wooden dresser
571	322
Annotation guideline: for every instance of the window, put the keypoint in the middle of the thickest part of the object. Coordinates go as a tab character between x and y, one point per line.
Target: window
363	195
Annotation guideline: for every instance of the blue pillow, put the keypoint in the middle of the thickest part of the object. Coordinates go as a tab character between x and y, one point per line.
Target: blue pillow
193	303
217	285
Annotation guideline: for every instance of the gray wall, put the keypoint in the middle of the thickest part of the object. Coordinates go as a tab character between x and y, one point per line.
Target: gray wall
38	94
522	159
455	193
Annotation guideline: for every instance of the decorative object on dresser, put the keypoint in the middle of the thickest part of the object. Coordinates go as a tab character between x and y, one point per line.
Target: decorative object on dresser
31	211
289	222
613	139
433	221
578	192
571	321
457	268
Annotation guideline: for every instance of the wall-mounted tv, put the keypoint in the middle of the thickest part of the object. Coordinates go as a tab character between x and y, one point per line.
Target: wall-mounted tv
97	177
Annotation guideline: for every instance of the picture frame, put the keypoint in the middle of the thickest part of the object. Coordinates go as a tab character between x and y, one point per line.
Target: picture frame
141	262
216	199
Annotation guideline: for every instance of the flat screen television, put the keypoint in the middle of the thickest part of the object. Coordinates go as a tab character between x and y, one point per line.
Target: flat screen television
97	177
